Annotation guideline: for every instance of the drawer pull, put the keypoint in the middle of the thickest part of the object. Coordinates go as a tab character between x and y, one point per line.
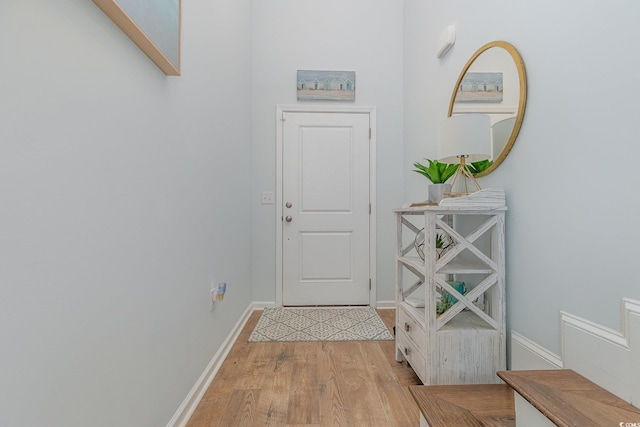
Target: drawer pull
406	327
406	351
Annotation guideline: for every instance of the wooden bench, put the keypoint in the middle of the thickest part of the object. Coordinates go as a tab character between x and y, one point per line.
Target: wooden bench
566	398
558	397
465	405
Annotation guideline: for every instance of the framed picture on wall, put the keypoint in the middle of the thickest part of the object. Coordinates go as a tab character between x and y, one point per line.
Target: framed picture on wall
316	85
153	25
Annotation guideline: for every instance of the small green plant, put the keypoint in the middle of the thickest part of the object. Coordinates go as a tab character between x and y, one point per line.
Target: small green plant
480	166
444	304
443	243
436	172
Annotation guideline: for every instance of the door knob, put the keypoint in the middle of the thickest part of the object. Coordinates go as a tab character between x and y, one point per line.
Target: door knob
288	204
288	218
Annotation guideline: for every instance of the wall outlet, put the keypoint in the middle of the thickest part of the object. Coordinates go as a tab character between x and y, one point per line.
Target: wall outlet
212	298
216	293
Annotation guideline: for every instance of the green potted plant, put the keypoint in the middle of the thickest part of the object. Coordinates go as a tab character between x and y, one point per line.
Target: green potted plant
438	173
480	166
444	304
443	243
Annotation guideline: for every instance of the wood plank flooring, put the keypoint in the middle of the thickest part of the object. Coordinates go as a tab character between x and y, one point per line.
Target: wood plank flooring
344	383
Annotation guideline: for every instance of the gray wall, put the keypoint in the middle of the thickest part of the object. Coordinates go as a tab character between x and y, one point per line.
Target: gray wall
572	225
122	198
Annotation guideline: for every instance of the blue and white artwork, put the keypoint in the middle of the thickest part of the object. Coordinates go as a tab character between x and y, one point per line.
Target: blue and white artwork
153	25
326	85
480	87
160	21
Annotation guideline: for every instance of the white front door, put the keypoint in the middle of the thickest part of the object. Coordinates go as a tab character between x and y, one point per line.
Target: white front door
326	208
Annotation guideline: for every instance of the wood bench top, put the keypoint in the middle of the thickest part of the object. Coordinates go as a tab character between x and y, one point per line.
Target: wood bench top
471	405
568	399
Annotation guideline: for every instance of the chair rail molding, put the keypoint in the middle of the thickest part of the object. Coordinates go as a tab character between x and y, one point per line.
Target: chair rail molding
607	357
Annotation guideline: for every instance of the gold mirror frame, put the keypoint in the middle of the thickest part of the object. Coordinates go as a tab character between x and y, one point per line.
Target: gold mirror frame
522	77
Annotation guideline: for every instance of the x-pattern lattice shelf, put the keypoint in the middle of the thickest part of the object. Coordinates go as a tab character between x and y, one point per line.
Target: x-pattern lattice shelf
441	250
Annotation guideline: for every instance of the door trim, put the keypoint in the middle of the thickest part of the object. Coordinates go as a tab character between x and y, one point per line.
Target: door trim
371	111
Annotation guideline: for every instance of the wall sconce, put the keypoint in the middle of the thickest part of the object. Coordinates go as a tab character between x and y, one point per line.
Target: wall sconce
446	40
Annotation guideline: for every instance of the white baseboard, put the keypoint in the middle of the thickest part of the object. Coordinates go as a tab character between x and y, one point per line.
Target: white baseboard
261	305
526	354
188	406
385	305
607	357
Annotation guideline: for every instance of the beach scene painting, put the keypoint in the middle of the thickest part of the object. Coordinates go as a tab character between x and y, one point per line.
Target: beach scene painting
316	85
480	87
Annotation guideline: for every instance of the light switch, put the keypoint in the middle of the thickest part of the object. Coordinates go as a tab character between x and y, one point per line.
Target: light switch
267	198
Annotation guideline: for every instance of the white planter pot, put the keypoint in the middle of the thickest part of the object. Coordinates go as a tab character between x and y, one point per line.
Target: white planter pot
436	191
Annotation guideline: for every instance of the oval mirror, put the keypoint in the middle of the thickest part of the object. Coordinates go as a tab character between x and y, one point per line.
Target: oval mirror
493	82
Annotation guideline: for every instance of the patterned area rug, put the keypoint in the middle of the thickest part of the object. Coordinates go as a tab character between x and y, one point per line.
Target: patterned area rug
320	324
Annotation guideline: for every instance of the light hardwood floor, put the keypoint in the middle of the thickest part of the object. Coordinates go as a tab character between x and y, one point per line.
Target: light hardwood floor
348	383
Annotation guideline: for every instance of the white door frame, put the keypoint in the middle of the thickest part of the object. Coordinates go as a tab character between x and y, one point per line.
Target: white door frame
280	110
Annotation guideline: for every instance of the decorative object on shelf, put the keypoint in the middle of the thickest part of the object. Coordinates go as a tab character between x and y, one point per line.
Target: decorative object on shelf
437	191
465	138
444	304
447	300
443	243
487	198
438	173
458	286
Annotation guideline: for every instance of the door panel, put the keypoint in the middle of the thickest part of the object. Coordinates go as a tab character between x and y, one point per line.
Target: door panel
325	233
326	256
325	160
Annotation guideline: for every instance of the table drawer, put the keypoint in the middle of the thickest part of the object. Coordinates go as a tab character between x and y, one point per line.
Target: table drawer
413	355
412	329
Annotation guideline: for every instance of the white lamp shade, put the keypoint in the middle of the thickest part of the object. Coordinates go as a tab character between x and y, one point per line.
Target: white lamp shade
466	135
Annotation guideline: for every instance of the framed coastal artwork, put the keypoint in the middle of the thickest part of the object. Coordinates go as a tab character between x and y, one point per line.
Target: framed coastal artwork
480	87
315	85
152	25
